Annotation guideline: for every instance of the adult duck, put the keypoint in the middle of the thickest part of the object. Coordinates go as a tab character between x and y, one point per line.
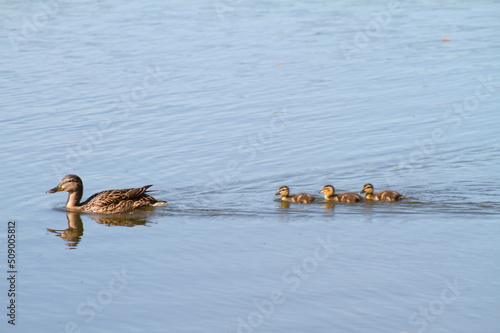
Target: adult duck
105	202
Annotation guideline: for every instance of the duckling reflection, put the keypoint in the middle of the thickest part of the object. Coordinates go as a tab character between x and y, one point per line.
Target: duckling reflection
329	206
74	232
389	196
284	204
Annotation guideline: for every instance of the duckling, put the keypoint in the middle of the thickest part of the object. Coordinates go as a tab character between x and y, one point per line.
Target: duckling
389	196
105	202
330	195
284	191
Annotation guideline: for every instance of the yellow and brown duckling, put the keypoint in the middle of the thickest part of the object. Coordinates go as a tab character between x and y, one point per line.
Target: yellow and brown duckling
105	202
284	191
389	196
330	195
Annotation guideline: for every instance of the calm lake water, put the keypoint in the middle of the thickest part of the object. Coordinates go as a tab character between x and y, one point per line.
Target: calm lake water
218	104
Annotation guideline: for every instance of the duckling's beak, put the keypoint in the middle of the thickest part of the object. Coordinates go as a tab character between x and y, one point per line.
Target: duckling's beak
362	191
55	189
322	191
277	193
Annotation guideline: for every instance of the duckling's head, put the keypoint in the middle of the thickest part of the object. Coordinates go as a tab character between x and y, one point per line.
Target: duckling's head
328	190
284	191
367	188
70	183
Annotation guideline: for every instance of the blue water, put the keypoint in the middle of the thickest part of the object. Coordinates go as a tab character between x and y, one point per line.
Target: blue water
218	104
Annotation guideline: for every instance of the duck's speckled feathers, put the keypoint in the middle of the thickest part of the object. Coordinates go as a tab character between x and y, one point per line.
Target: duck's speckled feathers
118	201
105	202
330	195
284	191
389	196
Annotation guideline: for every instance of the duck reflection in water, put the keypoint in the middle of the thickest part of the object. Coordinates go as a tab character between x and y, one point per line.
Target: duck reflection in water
121	220
74	232
285	204
328	205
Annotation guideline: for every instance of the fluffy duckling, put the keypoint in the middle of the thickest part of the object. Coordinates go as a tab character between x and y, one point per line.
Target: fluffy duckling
105	202
330	195
389	196
284	191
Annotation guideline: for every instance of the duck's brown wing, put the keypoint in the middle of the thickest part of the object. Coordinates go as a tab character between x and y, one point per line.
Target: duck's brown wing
303	198
147	200
118	201
349	197
389	196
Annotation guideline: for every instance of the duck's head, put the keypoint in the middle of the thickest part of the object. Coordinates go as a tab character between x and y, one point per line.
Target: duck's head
367	188
328	190
70	183
284	191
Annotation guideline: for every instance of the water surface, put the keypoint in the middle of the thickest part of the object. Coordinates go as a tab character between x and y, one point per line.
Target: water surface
218	104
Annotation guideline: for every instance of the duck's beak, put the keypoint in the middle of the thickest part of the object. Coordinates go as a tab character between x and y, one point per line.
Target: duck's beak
277	193
322	191
55	189
362	191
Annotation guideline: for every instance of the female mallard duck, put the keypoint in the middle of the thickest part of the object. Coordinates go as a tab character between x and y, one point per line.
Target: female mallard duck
105	202
330	195
382	195
284	191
